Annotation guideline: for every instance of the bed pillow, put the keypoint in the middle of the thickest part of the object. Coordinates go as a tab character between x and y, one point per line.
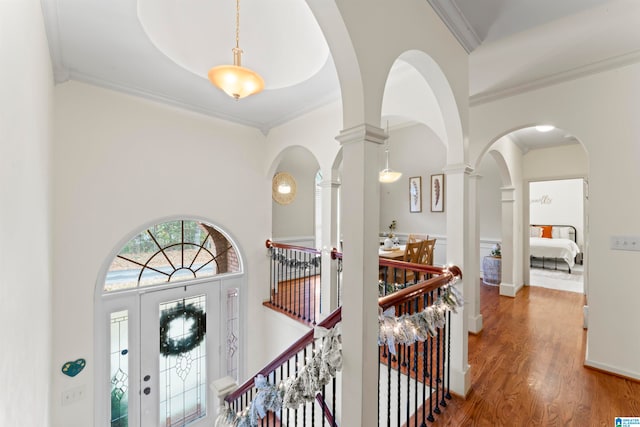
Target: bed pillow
546	231
535	231
562	233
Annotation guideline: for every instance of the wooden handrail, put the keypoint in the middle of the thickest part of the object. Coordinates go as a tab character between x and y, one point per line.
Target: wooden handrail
335	254
446	274
304	341
271	244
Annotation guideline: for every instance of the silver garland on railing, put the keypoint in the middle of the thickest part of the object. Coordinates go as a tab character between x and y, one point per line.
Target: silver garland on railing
294	262
299	389
410	328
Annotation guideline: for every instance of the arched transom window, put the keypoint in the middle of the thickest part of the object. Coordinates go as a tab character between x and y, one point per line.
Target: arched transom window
169	252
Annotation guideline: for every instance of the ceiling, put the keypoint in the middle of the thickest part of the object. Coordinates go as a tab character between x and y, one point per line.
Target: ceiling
150	48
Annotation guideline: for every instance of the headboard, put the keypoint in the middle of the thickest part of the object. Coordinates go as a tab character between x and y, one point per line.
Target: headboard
563	231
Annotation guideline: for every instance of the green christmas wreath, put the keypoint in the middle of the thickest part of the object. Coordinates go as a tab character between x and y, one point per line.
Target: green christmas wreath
173	347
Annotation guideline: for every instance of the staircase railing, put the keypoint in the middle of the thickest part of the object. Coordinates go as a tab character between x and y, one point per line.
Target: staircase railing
414	368
288	364
414	376
294	281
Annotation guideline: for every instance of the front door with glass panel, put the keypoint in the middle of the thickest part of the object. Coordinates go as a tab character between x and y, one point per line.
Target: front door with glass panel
179	327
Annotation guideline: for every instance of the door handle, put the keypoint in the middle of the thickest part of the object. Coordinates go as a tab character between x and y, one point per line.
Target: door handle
147	390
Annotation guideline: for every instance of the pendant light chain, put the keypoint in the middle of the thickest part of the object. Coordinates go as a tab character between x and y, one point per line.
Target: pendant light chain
238	24
236	80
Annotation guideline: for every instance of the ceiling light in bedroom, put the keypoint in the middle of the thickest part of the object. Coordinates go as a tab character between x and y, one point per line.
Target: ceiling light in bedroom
544	128
388	175
235	80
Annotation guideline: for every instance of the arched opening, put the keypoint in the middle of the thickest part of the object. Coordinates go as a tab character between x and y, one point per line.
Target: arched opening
166	302
524	168
294	213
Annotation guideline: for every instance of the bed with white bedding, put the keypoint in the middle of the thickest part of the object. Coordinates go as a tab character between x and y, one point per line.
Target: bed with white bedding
559	245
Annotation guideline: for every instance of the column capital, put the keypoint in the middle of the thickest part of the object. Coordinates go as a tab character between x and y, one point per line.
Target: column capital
363	132
330	183
459	168
508	194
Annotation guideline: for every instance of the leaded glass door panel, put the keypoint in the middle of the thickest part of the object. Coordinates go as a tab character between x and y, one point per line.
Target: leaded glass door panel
179	329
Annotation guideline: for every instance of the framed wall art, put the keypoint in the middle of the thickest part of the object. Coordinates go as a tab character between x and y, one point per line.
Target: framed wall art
415	194
437	193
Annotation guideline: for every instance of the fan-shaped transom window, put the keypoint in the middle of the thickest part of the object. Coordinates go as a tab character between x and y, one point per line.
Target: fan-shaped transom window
169	252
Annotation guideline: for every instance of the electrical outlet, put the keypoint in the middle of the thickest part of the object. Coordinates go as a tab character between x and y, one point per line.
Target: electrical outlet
625	243
73	395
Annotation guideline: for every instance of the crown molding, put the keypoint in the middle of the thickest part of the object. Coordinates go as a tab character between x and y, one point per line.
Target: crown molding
453	18
556	78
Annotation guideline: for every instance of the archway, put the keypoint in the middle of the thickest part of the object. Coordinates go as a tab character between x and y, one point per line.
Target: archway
176	283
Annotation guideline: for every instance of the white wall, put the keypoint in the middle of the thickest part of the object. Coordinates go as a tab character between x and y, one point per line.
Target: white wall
25	233
565	161
414	151
601	111
123	162
297	219
557	202
489	199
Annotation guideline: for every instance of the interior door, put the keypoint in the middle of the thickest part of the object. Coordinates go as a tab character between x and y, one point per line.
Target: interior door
179	355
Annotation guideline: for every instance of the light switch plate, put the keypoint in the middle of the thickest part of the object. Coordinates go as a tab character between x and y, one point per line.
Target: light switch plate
625	243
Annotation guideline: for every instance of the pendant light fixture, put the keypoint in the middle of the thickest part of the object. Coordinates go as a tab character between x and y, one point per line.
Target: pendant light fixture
235	80
388	175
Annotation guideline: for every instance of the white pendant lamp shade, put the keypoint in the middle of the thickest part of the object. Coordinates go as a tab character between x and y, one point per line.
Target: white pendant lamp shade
388	175
235	80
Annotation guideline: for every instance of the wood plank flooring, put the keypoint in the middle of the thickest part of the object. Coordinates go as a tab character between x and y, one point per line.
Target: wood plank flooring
298	298
527	367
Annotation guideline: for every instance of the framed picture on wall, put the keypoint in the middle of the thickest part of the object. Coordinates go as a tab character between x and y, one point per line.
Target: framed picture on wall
415	194
437	193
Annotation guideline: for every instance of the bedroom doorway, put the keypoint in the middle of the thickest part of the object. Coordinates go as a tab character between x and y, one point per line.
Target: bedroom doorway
557	234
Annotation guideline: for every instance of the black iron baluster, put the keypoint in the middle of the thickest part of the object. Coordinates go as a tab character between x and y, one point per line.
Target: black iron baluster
400	347
424	371
443	403
449	357
313	402
430	343
408	351
438	380
295	412
333	403
389	362
288	375
379	362
304	406
324	405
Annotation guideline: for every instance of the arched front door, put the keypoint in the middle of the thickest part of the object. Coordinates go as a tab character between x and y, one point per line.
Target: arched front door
168	326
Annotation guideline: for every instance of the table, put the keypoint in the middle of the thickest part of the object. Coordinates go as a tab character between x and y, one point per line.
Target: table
396	254
491	270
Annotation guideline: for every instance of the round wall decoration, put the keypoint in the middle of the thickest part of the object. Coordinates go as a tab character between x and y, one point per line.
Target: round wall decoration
174	347
283	188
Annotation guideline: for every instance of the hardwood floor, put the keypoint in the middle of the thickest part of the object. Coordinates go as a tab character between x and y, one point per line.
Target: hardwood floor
527	367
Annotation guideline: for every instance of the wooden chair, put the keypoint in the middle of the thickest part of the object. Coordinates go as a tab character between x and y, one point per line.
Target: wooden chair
426	254
412	253
417	237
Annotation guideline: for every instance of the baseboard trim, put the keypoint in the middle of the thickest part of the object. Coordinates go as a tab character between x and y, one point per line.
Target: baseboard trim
508	290
475	324
610	370
460	381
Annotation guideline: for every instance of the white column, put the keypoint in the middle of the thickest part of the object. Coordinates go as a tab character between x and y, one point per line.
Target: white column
472	265
507	286
360	219
329	235
456	189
